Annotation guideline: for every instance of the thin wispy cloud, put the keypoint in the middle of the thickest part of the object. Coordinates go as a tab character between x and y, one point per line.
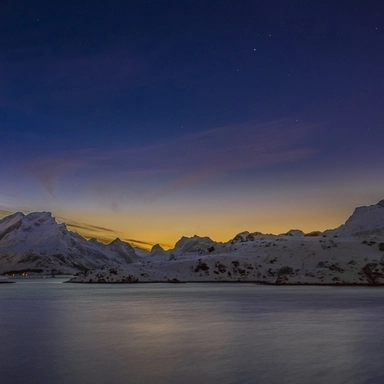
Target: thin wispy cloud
103	234
146	244
184	161
88	227
48	171
5	212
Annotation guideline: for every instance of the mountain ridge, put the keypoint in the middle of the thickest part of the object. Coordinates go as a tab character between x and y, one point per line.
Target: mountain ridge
37	241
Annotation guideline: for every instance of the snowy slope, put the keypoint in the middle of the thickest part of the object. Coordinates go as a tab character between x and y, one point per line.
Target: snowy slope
270	259
141	252
36	241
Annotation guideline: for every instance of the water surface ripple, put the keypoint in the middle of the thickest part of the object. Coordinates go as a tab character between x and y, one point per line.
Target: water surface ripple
54	333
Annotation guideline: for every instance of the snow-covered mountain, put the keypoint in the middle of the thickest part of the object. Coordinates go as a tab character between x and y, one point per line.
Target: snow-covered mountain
37	241
350	254
365	221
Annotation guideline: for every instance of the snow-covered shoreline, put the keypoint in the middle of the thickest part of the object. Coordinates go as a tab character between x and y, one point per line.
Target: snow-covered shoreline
276	260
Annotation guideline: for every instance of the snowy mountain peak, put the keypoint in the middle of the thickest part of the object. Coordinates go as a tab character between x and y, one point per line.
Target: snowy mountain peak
245	236
19	215
11	219
156	248
294	232
123	249
117	241
37	241
40	216
365	221
194	244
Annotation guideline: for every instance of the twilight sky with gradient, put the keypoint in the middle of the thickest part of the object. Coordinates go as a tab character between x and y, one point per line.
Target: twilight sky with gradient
149	120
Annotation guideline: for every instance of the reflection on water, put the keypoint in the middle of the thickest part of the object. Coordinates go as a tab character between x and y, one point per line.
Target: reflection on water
190	333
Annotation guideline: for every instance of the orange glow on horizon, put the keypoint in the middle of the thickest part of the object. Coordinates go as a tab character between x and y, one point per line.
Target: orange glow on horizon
218	213
221	227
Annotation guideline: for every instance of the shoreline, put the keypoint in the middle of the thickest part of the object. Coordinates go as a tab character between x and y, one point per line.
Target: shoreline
230	282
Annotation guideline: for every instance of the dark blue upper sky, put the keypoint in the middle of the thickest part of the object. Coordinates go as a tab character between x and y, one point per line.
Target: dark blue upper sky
139	70
80	76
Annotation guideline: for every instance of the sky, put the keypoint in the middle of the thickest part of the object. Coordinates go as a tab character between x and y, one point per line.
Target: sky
151	120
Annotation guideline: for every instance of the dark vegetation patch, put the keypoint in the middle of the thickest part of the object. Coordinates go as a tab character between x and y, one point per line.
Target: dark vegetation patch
373	273
370	243
286	270
201	266
221	268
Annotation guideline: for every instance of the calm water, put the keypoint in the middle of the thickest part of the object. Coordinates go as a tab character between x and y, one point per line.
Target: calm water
189	333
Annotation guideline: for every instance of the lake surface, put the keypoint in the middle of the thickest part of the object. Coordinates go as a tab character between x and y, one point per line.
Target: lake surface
189	333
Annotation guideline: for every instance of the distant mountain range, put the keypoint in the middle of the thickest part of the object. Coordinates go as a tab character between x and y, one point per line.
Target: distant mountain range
350	254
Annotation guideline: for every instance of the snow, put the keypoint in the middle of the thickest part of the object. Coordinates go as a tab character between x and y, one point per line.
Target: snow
264	260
